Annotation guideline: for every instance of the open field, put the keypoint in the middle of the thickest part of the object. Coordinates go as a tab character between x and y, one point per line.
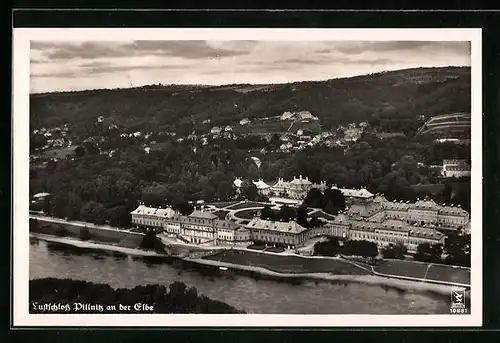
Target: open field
287	264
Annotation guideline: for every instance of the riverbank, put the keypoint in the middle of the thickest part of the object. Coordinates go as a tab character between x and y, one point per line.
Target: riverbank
256	272
95	245
367	277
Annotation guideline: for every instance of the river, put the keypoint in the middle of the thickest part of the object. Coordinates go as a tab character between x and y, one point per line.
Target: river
242	292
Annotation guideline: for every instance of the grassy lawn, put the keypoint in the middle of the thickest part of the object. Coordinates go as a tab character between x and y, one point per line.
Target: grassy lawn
418	270
277	249
256	247
245	214
402	268
246	205
319	214
287	264
448	273
223	204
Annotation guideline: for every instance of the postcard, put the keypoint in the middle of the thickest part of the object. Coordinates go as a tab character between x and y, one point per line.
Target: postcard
247	177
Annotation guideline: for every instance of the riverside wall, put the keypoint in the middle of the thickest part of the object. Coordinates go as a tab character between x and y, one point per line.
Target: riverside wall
99	234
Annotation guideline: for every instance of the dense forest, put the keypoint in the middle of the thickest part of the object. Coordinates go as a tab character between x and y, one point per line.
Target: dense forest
174	298
396	94
100	188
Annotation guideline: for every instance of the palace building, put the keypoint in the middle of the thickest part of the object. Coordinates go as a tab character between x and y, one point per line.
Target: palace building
296	189
355	195
199	227
144	216
289	233
368	217
456	168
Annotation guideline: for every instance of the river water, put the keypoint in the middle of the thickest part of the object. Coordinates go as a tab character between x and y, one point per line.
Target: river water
242	292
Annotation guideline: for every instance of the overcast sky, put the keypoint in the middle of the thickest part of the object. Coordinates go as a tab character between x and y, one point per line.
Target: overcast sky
63	66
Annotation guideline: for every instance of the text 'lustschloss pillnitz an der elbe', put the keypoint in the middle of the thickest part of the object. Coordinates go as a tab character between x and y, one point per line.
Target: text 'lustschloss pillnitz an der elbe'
86	307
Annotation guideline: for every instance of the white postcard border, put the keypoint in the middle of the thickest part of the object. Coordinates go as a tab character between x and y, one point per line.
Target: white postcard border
20	196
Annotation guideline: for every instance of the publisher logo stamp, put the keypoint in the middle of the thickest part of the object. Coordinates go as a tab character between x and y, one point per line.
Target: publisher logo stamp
458	301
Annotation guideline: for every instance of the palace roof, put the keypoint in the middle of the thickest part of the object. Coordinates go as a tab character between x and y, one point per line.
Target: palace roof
452	210
226	224
152	211
301	181
341	219
261	184
355	193
289	227
425	204
202	215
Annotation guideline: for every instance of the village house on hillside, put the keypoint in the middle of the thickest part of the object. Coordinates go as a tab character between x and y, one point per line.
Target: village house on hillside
215	130
244	121
298	116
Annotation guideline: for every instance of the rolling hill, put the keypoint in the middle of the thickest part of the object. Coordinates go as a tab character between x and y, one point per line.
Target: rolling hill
396	94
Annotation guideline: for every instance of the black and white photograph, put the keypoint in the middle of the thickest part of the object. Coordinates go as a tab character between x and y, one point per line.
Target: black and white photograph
284	177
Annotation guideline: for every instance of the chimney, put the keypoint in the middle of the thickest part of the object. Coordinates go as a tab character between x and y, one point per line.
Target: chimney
300	177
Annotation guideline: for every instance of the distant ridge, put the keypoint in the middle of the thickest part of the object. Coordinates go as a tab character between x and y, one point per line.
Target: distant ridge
258	85
395	94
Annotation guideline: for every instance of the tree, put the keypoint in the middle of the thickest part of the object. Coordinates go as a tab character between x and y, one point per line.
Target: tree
183	207
314	199
302	216
73	206
79	151
119	216
249	191
151	242
93	212
315	222
360	248
427	252
458	249
84	233
331	247
267	213
286	213
58	204
335	201
394	251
